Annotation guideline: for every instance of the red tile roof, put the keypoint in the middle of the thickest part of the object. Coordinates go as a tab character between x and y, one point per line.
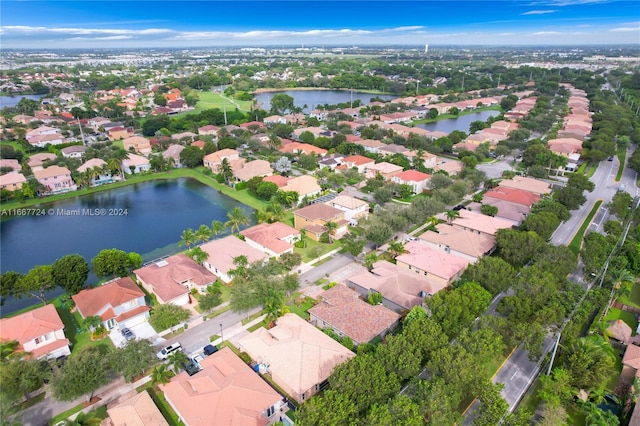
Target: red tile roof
91	301
358	160
516	196
412	176
29	325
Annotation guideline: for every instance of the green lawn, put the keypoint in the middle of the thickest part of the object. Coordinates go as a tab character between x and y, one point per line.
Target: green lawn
622	154
167	412
62	416
634	299
315	249
303	310
615	374
575	244
78	339
16	146
210	100
625	316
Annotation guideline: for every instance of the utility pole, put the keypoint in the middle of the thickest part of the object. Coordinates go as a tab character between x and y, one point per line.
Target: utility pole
417	86
224	105
553	355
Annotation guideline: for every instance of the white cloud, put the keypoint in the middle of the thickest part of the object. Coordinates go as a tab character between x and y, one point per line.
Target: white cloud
538	12
625	29
561	3
546	33
120	37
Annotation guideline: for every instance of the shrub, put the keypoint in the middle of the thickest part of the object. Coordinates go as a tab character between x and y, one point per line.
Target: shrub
167	316
241	185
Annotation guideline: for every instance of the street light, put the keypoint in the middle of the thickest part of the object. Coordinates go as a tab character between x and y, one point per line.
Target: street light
221	335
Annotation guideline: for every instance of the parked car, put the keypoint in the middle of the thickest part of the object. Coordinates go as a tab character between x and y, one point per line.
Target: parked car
191	367
164	353
210	350
127	334
196	358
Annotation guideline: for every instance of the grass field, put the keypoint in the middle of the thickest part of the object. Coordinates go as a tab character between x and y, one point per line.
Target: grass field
315	249
210	100
575	244
628	317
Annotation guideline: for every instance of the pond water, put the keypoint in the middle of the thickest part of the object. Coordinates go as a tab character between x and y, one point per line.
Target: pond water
156	214
11	101
461	123
313	98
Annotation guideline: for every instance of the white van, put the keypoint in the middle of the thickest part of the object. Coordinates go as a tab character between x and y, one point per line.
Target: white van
164	353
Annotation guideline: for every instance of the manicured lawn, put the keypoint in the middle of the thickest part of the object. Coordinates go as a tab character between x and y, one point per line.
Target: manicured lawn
210	100
62	416
625	316
167	412
16	146
575	244
78	339
633	299
622	154
303	309
315	249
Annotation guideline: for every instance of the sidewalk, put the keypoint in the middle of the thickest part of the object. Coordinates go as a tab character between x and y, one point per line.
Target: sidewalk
305	267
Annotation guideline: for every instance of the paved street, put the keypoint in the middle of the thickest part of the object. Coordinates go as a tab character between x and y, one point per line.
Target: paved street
338	261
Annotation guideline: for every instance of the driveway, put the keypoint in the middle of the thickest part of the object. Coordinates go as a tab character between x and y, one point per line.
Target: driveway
141	331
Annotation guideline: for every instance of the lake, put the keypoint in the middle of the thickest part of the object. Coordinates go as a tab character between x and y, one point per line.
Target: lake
11	101
157	213
313	98
461	123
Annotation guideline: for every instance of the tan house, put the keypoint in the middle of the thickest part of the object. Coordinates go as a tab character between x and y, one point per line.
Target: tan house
222	252
139	410
274	239
401	289
213	160
305	186
313	220
37	160
172	278
465	244
441	267
252	169
138	144
39	332
451	167
226	392
353	208
12	181
342	310
135	164
119	132
480	223
298	356
527	184
384	169
55	179
209	129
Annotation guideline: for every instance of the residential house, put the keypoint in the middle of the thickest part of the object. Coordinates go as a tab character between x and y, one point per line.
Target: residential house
512	212
9	163
361	163
384	169
223	251
298	356
464	244
341	309
331	161
213	160
371	145
12	181
438	265
209	129
418	181
305	186
480	223
313	220
516	196
42	140
279	180
630	364
119	303
272	120
74	151
353	208
225	392
429	160
173	152
451	167
135	164
36	161
138	144
620	331
274	239
400	288
532	185
315	131
39	332
392	148
184	135
302	148
55	179
101	176
120	132
139	410
172	278
23	119
252	169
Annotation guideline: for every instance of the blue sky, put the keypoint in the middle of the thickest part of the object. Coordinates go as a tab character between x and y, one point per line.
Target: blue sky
87	24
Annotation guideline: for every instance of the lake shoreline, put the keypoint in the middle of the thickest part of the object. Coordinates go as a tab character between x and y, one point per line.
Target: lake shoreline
303	89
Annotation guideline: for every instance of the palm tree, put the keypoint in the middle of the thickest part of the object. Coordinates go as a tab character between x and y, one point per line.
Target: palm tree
216	228
84	419
237	218
160	375
241	262
369	260
396	249
188	238
303	237
115	165
331	228
225	170
274	142
451	215
176	359
274	306
620	276
198	255
8	349
431	223
203	233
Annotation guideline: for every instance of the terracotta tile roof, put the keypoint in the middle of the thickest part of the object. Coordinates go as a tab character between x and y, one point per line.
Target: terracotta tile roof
29	325
347	202
620	330
358	160
318	211
14	164
297	354
632	357
132	313
480	222
51	171
167	276
252	169
223	251
385	167
226	392
108	314
277	179
440	264
134	160
303	185
412	176
139	410
216	157
91	301
299	147
90	164
527	184
343	309
271	235
400	286
512	195
12	178
466	242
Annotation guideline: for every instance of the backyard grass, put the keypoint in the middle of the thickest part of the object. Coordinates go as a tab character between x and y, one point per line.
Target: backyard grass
576	242
315	249
615	375
64	415
15	145
628	317
622	154
78	339
632	300
302	310
167	412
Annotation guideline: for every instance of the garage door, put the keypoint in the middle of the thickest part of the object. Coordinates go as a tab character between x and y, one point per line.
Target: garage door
139	319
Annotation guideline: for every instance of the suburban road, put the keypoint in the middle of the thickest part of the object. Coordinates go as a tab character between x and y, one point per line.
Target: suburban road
518	372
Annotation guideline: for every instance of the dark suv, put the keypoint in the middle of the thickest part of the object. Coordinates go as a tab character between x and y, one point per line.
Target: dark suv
209	350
